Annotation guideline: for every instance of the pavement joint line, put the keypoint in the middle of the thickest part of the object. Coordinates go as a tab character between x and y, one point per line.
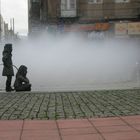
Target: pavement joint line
93	102
85	104
32	108
47	106
78	105
9	107
129	124
63	106
25	105
113	106
96	129
18	105
71	106
22	130
60	136
40	106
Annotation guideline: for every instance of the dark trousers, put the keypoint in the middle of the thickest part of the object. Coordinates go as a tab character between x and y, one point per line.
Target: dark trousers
8	83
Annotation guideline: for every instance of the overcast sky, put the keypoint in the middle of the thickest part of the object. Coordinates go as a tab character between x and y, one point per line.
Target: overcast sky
16	9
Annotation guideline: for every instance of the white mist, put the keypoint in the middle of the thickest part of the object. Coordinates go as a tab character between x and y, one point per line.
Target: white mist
71	62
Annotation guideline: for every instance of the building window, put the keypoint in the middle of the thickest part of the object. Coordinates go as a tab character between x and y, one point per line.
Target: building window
68	4
122	1
72	4
95	1
68	8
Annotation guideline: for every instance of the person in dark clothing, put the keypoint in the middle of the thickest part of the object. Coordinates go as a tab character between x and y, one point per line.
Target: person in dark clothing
22	82
8	66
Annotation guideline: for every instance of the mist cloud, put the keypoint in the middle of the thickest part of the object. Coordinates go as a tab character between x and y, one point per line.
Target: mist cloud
73	63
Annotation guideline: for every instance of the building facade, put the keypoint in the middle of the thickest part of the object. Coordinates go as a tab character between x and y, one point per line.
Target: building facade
2	31
6	34
43	13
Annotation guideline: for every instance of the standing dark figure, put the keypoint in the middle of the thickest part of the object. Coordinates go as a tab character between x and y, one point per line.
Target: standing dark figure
22	82
8	66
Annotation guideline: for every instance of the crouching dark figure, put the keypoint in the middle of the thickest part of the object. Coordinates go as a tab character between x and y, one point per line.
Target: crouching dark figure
22	82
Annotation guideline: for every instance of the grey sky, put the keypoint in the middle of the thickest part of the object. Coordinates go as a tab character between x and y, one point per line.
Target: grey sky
16	9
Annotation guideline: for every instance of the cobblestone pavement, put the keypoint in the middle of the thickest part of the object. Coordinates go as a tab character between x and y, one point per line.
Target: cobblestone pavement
64	105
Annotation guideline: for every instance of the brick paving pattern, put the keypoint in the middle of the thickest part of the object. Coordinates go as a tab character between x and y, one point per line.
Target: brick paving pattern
67	105
112	128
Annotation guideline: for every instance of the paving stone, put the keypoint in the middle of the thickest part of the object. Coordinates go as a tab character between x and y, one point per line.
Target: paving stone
61	105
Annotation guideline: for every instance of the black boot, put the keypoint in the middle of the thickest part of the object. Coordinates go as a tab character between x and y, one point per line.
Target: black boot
8	84
9	89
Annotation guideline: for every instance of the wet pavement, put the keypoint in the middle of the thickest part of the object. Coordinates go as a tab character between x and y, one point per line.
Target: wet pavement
67	105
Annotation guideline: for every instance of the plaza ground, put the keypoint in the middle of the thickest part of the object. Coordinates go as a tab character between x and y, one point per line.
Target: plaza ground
69	105
85	115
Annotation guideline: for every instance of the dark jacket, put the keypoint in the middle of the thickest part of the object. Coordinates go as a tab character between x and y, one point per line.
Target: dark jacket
7	61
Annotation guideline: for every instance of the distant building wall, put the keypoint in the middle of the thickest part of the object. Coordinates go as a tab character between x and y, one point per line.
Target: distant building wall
2	31
34	16
52	9
108	9
43	13
5	33
68	8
